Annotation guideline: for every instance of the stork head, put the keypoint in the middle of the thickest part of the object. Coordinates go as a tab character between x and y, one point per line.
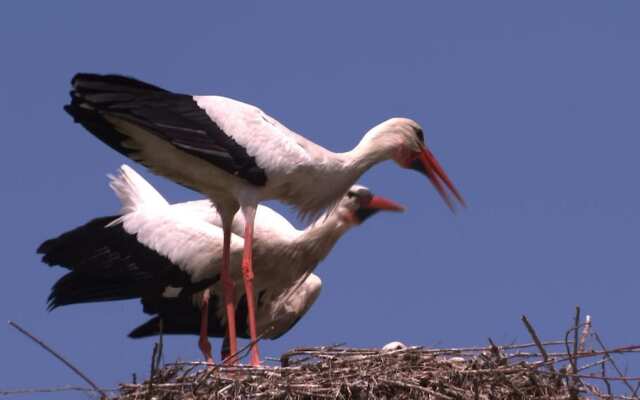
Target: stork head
358	204
405	140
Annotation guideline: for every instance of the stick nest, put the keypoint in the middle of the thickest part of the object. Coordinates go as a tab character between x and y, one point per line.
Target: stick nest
579	366
541	370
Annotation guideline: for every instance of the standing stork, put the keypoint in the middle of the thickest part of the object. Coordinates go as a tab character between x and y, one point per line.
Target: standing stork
171	257
238	156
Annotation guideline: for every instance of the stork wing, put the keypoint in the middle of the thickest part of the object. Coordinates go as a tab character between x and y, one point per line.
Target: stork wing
268	222
180	316
107	263
123	113
292	303
146	252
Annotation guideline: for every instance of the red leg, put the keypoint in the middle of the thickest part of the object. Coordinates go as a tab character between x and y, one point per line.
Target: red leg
229	296
203	343
247	273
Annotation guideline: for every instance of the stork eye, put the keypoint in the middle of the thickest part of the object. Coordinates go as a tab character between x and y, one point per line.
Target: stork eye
350	194
419	133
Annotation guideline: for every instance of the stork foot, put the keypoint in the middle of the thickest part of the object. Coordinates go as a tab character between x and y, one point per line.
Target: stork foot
205	348
255	359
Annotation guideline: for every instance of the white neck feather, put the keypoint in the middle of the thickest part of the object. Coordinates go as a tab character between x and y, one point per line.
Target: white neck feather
377	145
315	242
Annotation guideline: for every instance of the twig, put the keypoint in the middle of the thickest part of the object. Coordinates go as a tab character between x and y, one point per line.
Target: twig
613	363
242	352
536	340
591	365
416	387
338	348
52	390
576	324
611	378
153	371
160	342
585	333
604	378
59	357
154	354
573	383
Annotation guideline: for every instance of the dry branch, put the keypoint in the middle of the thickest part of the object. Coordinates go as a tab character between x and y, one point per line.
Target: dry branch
59	357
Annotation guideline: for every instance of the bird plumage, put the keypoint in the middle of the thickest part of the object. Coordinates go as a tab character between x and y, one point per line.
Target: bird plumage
167	254
126	105
215	144
278	311
238	156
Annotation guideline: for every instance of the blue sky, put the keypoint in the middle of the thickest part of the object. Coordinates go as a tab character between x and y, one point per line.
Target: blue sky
532	108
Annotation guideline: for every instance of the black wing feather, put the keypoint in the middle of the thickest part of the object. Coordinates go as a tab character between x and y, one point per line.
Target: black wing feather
107	263
173	117
181	317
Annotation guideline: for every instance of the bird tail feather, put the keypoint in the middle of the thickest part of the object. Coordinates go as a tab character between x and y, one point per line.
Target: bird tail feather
134	191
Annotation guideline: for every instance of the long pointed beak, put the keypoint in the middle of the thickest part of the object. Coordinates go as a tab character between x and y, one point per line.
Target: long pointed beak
380	203
375	205
427	164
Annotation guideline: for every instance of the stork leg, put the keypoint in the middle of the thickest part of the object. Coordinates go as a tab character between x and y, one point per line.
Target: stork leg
247	273
203	343
228	295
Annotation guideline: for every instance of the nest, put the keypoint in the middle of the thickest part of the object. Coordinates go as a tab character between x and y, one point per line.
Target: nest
579	366
563	369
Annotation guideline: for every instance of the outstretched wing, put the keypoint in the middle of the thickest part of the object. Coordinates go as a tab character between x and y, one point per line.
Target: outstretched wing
128	115
108	263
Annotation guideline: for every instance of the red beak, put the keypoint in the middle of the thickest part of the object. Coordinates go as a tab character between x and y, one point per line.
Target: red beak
375	205
429	166
380	203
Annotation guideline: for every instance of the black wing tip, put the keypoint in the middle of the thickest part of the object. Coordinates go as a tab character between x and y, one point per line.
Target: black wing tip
84	76
80	114
57	297
149	328
78	288
55	251
178	325
46	246
49	250
107	80
76	112
52	304
95	122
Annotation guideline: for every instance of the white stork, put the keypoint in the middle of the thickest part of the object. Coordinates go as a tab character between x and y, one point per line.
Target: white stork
238	156
171	257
